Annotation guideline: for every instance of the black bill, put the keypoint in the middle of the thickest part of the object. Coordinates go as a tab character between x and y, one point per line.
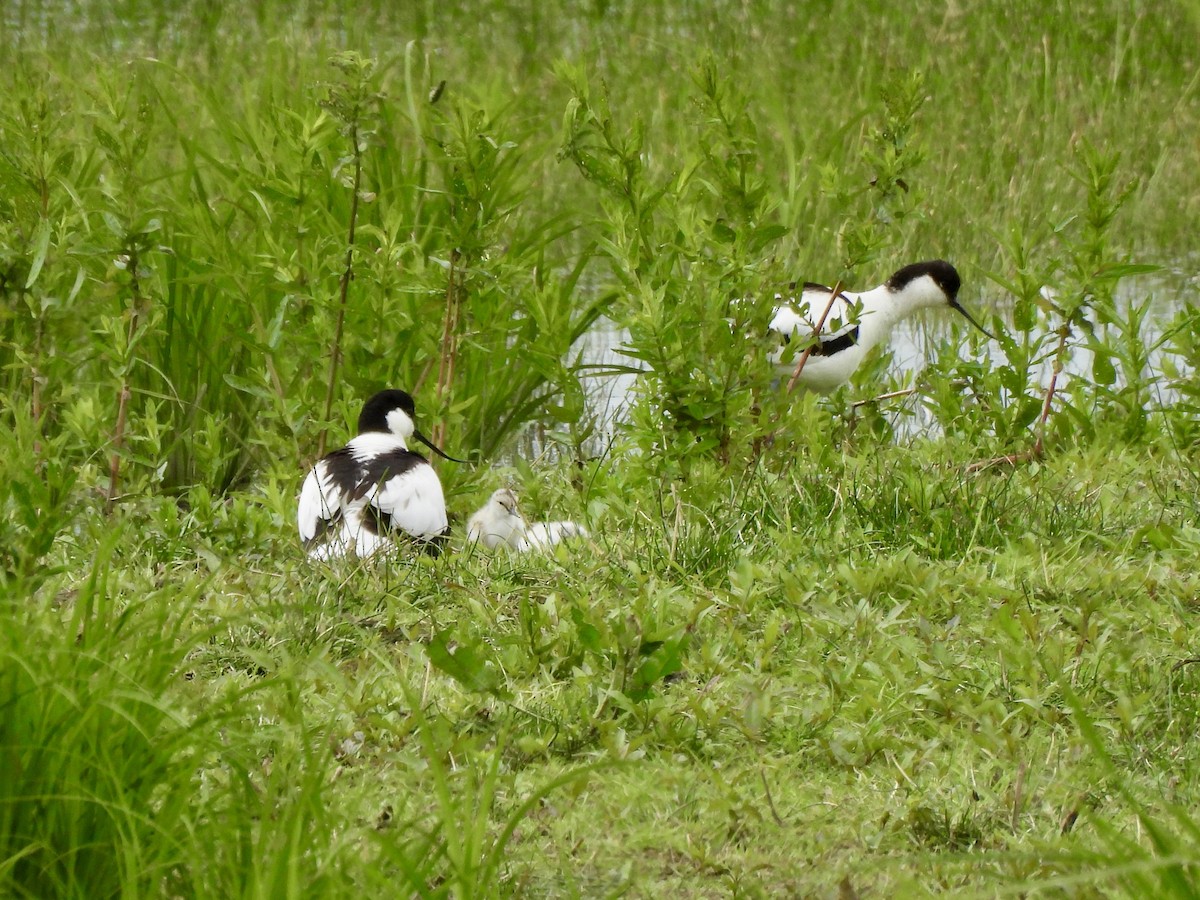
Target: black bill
966	315
428	443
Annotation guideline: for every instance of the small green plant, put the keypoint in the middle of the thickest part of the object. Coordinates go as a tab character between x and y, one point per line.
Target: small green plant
37	494
123	127
1080	306
352	103
684	249
874	209
458	848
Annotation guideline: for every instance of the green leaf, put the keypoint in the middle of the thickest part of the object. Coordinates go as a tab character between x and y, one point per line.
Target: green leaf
114	223
663	658
41	245
246	386
723	232
1103	371
588	634
766	234
110	144
1124	270
1028	411
1024	315
465	664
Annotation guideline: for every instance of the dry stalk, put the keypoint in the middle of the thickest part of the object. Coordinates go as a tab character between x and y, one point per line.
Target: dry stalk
1038	450
449	352
344	287
890	395
35	388
118	436
837	290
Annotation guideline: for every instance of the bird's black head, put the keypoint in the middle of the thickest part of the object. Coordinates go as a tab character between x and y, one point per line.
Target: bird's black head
943	274
375	411
375	417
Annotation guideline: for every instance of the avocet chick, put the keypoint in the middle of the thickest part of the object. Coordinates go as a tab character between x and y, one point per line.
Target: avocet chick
857	322
499	522
356	500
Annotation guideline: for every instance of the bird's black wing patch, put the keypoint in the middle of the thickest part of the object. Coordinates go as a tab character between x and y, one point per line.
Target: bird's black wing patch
324	527
377	469
354	477
843	341
375	472
344	471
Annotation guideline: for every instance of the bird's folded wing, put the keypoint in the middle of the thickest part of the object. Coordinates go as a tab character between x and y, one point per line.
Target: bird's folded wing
320	503
799	317
409	497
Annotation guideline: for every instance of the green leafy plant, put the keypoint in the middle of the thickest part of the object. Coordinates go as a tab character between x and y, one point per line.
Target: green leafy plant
683	249
351	102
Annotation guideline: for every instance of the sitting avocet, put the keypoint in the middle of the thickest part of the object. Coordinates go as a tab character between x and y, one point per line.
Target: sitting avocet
859	321
499	522
356	500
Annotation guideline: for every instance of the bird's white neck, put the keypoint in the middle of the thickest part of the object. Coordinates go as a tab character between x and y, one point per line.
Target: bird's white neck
400	424
887	307
374	442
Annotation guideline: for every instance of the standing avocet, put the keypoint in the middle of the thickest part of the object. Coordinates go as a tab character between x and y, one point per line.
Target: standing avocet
357	499
500	522
859	321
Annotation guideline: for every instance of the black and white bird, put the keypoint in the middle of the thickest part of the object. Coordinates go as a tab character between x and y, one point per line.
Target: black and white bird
857	322
499	523
359	499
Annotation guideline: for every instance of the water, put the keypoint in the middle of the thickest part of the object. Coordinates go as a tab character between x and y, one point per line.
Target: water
912	344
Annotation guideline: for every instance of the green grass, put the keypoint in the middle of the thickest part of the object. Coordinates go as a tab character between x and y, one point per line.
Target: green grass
802	696
810	649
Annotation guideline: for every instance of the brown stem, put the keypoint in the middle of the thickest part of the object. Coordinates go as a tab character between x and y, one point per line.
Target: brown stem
35	398
1063	334
837	290
890	395
118	443
118	438
1010	460
1038	450
417	385
770	800
1018	797
449	342
344	288
35	389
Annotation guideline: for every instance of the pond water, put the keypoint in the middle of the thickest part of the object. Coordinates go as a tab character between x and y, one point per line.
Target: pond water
912	343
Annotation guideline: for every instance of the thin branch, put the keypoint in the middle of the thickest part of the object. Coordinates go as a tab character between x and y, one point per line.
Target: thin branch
118	437
347	273
837	290
449	342
770	800
35	387
890	395
1063	334
1038	450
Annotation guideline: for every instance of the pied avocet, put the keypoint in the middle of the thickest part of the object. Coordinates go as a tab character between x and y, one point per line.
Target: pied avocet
500	522
358	499
858	321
